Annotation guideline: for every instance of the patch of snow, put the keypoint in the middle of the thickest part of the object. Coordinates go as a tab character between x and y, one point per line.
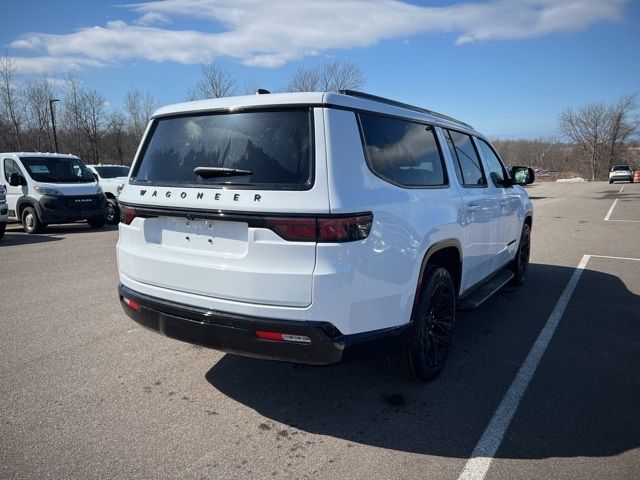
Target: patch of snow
571	180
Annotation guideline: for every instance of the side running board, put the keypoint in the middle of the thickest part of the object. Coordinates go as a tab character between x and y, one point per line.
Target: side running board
484	291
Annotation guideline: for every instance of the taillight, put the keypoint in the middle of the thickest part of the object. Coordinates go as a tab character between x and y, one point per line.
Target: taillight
295	229
344	229
327	229
282	337
127	214
131	303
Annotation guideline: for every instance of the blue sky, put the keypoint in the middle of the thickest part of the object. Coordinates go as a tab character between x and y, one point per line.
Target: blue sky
507	67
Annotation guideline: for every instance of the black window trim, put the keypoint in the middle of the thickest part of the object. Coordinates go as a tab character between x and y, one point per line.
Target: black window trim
265	186
504	168
445	173
456	159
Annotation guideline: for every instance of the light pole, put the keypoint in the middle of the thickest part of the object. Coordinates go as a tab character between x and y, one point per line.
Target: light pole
53	122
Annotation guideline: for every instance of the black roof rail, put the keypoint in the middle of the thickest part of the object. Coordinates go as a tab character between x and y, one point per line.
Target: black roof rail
388	101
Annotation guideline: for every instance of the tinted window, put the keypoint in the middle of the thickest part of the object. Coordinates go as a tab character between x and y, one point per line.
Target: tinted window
469	166
619	168
275	146
496	170
57	169
403	152
112	171
10	166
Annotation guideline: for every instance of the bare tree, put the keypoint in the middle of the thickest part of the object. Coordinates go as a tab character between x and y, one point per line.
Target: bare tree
304	79
94	120
119	144
588	127
329	77
216	82
339	75
600	131
11	98
139	107
39	92
622	127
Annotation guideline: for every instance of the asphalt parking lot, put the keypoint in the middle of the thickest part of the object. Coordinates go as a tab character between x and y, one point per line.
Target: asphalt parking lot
88	394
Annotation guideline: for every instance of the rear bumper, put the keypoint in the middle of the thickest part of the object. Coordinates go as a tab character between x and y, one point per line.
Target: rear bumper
621	178
237	333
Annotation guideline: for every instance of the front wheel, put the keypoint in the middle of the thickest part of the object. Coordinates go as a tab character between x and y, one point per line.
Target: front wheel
520	264
113	213
431	329
3	226
30	221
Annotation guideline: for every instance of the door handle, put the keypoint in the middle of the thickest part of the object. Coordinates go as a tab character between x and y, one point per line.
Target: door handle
472	206
504	203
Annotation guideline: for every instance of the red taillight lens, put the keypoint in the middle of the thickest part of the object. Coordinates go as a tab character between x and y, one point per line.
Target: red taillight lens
348	228
282	337
295	229
344	229
131	303
127	214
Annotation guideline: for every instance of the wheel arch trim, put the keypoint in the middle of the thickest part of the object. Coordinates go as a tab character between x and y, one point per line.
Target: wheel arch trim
436	247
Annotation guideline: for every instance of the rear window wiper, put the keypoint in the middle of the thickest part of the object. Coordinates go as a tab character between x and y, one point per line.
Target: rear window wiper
210	172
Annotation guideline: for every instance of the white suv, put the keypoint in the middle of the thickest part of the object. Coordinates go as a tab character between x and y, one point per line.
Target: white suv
44	188
111	178
317	227
3	210
621	173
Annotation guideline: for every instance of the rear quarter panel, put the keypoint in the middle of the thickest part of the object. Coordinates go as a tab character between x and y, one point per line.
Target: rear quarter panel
375	280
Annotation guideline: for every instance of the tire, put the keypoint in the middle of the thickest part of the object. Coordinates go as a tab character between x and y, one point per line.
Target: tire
431	329
610	182
30	221
520	264
3	226
97	222
113	214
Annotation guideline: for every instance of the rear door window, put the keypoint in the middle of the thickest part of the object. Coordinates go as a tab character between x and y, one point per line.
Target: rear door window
275	148
402	152
466	159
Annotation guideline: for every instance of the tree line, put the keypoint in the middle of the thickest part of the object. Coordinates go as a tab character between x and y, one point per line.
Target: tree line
590	139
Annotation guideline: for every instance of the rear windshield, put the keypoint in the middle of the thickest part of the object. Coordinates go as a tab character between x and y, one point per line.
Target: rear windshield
617	168
57	170
275	147
112	171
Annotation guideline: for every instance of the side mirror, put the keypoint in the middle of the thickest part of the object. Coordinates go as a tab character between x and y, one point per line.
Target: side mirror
95	175
16	180
522	175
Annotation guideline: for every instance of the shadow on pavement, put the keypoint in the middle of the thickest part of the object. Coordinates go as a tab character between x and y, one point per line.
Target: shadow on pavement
15	235
592	362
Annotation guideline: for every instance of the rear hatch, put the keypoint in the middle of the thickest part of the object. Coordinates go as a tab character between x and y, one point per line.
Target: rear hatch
224	205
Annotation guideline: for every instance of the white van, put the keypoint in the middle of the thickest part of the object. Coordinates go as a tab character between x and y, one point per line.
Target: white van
111	178
49	188
318	227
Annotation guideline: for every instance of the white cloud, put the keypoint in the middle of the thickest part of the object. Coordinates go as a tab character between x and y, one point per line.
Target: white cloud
270	34
52	64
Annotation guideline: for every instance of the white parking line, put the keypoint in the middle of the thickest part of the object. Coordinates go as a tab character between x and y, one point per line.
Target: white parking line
621	188
477	466
615	258
613	205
